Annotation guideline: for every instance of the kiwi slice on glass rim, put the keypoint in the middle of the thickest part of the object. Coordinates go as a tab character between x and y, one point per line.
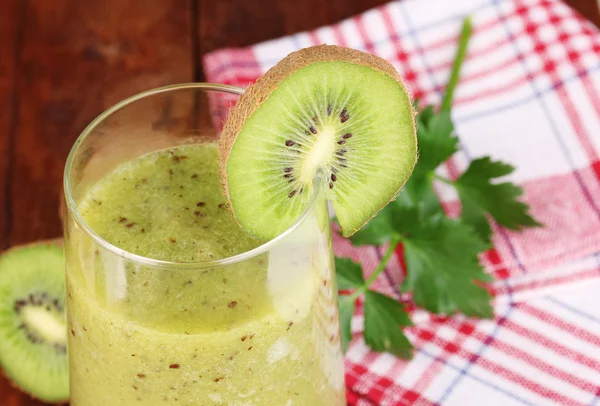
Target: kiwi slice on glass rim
327	111
33	331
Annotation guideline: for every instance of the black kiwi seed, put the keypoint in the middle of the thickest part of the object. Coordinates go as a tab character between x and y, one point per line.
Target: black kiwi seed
329	110
330	185
315	119
341	142
340	152
288	169
333	177
19	304
292	193
344	116
287	175
346	136
313	129
289	143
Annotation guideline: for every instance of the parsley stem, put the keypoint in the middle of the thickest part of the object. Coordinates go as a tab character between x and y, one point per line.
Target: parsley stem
393	243
442	179
463	41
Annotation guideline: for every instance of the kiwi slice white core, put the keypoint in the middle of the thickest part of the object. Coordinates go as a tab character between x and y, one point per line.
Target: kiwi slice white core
323	111
319	155
46	323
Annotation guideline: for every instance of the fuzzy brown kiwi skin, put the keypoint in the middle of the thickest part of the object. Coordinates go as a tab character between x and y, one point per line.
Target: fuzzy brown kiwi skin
59	243
14	385
259	92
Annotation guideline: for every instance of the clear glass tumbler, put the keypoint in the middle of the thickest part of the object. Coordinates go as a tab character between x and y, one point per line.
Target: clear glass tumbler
257	328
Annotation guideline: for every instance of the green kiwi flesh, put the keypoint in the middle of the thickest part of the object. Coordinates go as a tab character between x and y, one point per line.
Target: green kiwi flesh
328	112
33	332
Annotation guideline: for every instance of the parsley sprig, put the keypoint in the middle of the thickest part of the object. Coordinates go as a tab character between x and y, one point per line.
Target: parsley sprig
443	272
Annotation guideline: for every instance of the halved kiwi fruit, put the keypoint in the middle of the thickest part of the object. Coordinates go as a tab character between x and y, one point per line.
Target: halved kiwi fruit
336	113
33	332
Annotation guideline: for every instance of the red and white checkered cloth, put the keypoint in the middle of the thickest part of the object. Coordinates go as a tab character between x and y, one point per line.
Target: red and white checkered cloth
529	95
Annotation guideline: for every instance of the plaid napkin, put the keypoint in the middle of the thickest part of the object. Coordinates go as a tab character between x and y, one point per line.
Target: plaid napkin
529	95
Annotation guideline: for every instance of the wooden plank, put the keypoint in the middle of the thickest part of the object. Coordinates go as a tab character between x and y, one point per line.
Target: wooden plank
590	9
10	27
237	23
340	9
79	58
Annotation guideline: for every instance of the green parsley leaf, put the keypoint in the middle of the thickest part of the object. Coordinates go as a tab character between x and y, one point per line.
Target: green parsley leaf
418	191
388	224
443	268
424	116
436	140
384	319
349	274
473	215
436	143
479	196
346	306
378	230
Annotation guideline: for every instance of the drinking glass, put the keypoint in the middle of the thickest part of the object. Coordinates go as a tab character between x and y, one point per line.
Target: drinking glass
257	328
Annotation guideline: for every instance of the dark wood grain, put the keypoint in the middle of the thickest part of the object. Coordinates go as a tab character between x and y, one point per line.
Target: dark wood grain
340	9
587	8
62	62
10	29
235	23
78	58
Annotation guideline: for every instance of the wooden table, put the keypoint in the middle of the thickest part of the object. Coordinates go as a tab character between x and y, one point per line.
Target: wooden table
62	62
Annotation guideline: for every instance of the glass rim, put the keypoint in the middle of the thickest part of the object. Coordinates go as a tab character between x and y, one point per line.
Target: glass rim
157	263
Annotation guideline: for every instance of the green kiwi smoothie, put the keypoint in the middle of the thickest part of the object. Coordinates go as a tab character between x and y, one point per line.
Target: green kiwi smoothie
261	331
